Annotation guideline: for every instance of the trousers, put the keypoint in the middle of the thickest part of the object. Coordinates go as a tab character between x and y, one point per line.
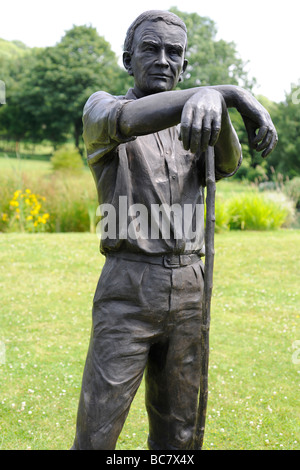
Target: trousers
146	319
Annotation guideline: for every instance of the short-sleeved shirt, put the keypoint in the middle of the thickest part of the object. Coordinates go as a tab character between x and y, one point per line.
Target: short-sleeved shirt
150	190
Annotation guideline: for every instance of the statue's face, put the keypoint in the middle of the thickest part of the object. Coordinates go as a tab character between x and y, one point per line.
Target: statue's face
157	60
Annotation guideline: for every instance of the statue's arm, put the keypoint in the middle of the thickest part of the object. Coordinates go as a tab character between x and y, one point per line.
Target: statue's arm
153	113
204	119
159	111
261	131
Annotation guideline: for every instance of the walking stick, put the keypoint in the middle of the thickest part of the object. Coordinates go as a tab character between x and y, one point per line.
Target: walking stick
208	285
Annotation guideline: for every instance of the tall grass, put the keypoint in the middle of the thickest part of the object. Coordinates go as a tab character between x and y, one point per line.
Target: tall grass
256	212
71	200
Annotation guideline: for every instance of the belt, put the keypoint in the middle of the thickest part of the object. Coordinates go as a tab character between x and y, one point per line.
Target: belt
168	260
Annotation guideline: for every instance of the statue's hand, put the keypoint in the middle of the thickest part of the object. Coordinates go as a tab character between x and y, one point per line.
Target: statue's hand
201	120
261	131
266	138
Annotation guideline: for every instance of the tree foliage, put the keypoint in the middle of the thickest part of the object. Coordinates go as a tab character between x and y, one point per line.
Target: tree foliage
286	157
211	61
48	88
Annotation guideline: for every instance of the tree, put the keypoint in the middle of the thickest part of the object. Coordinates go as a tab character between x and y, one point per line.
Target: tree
286	157
10	50
11	58
15	60
51	86
79	65
211	62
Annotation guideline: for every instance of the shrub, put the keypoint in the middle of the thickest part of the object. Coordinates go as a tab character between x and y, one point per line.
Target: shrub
292	189
247	172
67	158
222	216
256	212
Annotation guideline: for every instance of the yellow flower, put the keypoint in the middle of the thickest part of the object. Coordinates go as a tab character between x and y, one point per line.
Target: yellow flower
29	217
17	193
14	203
4	217
18	211
27	191
35	224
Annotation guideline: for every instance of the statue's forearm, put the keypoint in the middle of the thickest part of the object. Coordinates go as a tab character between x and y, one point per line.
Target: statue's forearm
233	95
162	110
241	99
153	113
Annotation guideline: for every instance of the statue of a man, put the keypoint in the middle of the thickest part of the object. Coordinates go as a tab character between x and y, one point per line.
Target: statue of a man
145	149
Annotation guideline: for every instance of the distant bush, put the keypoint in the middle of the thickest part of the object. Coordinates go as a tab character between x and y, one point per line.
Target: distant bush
256	212
247	172
292	189
67	158
222	216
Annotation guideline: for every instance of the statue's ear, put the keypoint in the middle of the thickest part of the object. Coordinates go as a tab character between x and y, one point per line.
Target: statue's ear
127	62
185	64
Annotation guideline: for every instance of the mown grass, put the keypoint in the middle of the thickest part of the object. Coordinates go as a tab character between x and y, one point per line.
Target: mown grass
47	283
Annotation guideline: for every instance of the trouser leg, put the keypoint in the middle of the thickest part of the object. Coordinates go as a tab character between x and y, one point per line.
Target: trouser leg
173	369
142	310
124	327
106	395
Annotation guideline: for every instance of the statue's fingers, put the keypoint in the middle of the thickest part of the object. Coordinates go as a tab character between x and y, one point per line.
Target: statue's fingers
215	132
185	135
185	129
196	131
206	133
271	145
265	142
259	136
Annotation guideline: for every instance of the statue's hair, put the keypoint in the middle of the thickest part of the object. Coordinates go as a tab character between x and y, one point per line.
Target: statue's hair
151	15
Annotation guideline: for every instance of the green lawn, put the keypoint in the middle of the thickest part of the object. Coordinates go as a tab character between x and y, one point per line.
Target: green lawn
47	283
22	165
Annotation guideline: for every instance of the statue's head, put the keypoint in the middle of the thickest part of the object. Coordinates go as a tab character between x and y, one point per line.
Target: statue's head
154	51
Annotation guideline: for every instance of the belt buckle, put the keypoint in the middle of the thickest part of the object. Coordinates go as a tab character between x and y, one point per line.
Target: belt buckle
185	260
167	261
181	260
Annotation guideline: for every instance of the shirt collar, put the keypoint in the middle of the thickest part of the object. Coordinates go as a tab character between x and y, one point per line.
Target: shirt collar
130	95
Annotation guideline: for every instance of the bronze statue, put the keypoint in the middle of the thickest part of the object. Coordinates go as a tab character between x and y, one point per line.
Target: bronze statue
146	152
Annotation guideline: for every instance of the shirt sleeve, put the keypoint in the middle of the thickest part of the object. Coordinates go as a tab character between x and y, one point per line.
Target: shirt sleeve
220	175
100	124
